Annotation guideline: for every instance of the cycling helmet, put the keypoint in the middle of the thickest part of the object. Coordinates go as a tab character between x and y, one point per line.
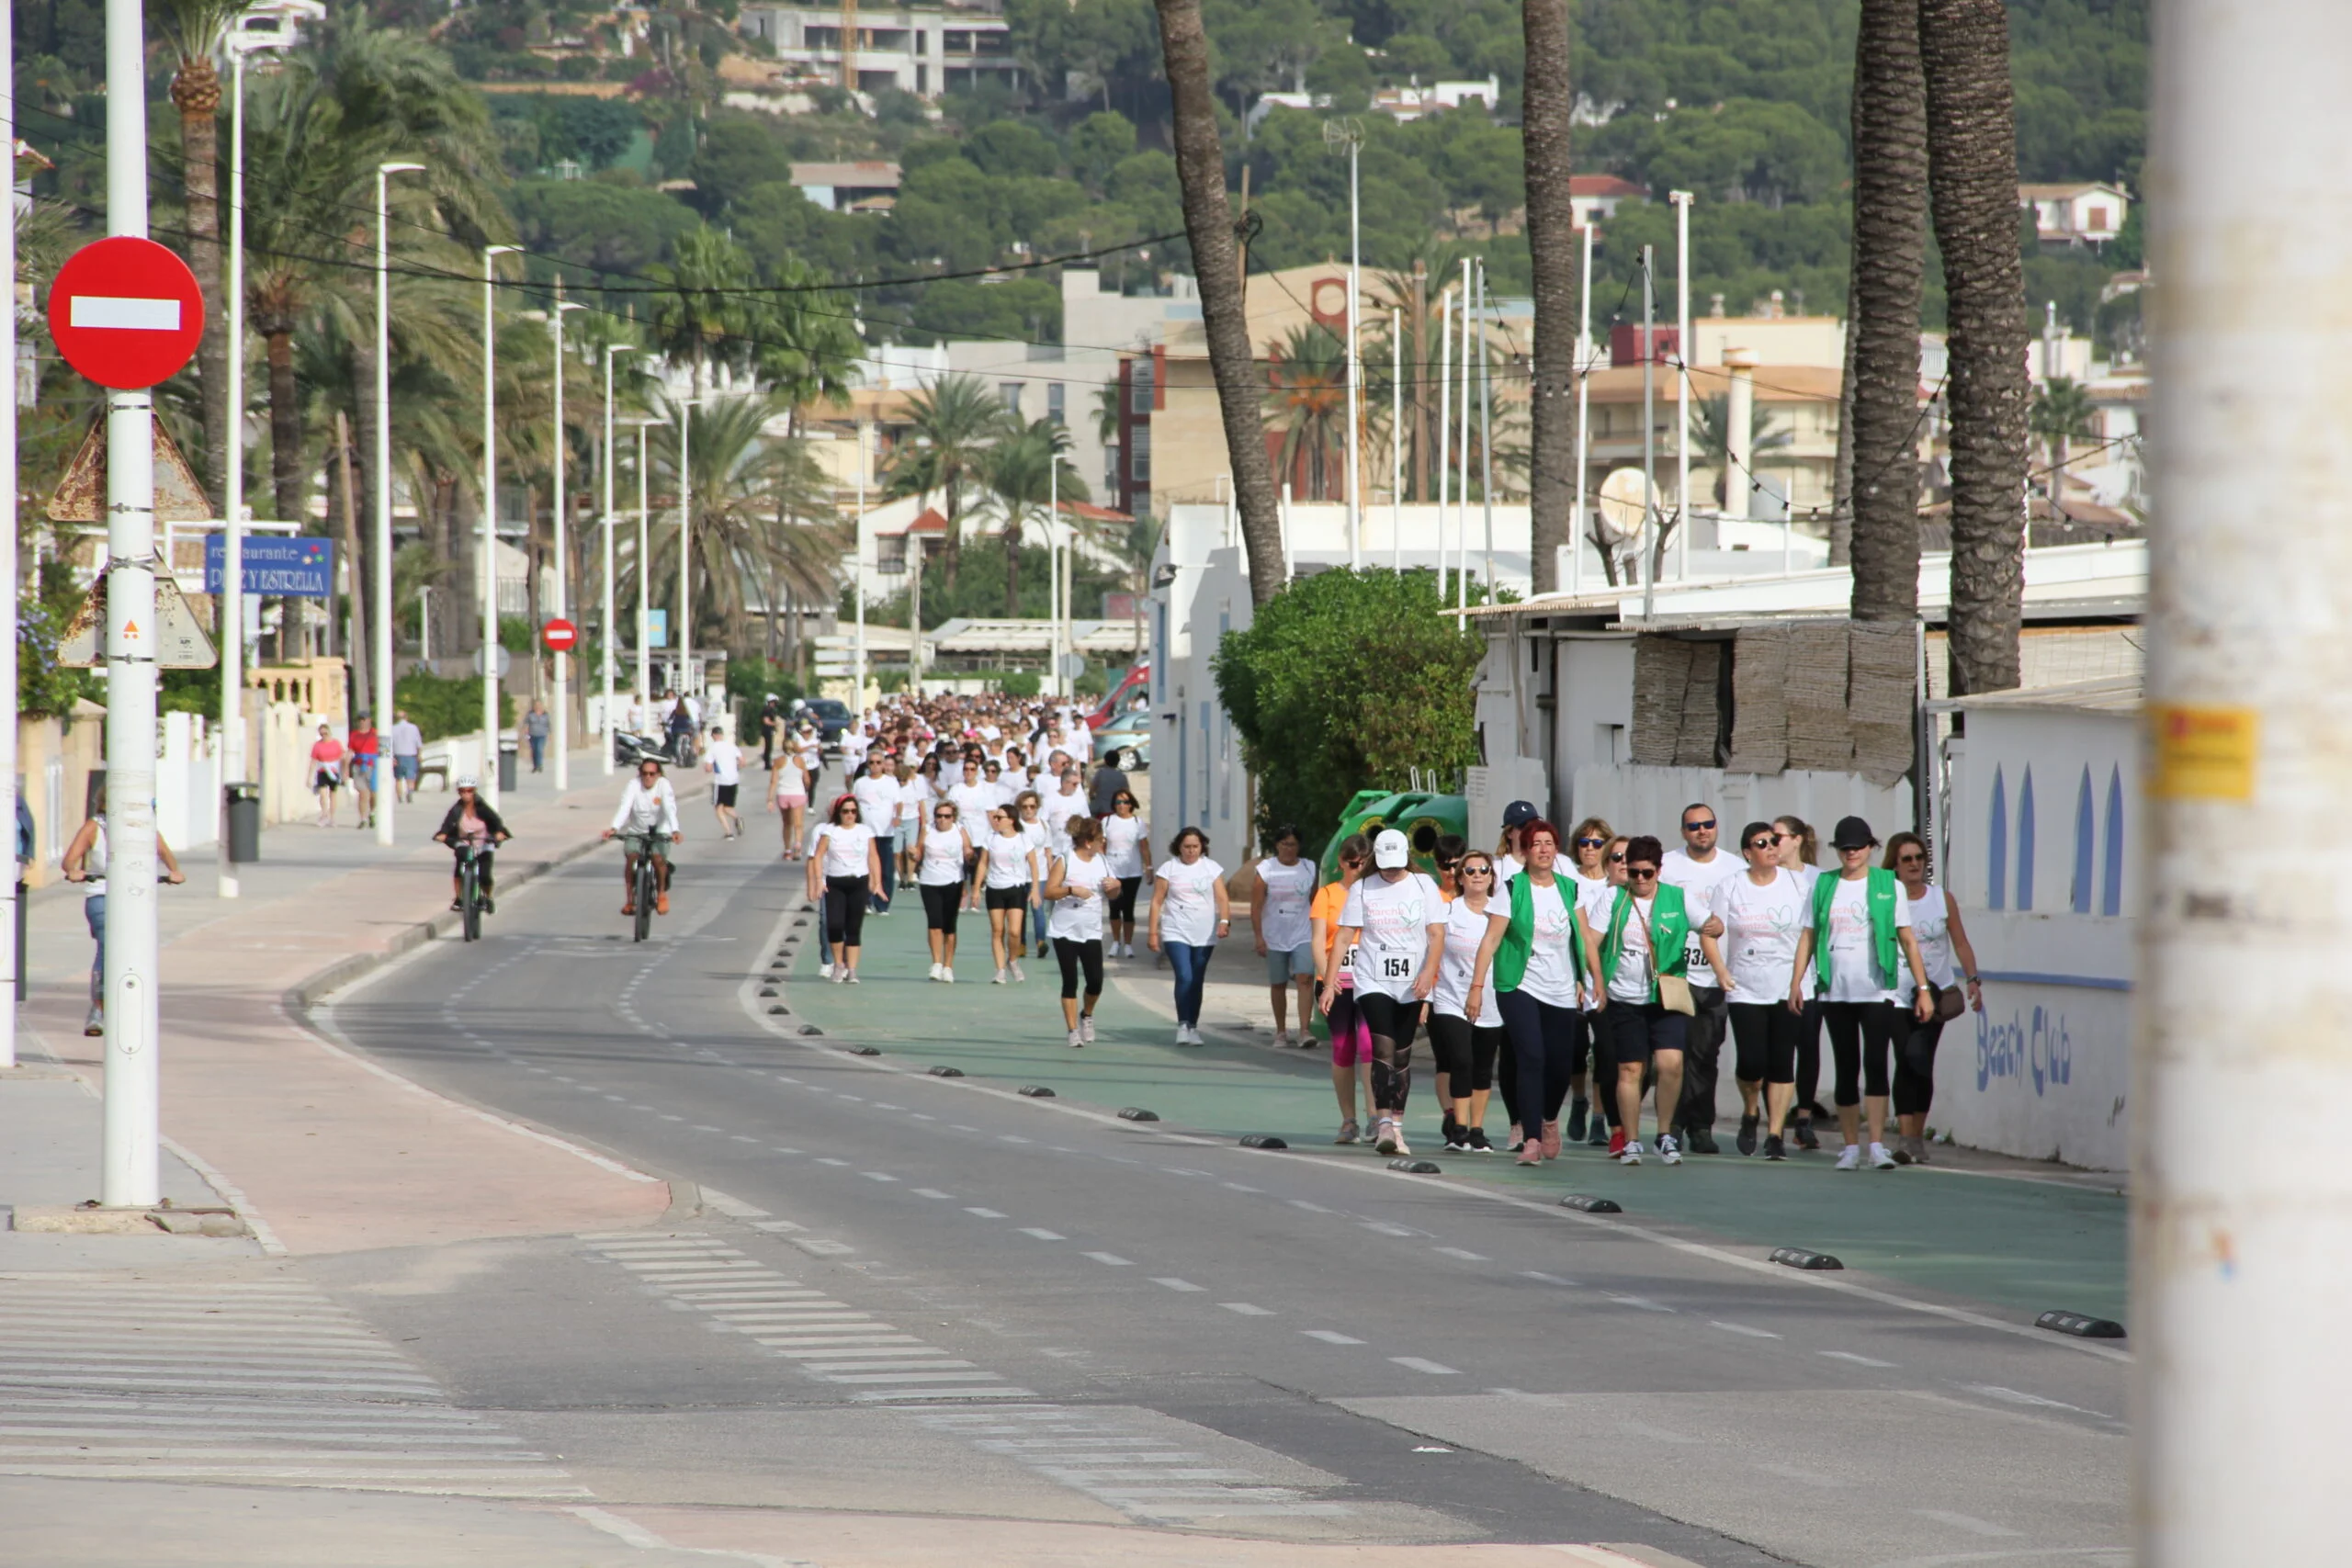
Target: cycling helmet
466	780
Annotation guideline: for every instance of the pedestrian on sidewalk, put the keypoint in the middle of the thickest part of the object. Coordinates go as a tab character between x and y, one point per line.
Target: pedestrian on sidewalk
1950	961
1126	845
1396	919
845	871
536	725
877	807
942	845
1027	808
1077	884
1465	1048
474	822
86	862
791	786
1859	942
365	747
1103	788
1594	875
771	729
914	806
326	772
407	743
723	760
1008	869
1533	956
1700	868
1799	853
1335	977
1281	890
1189	912
1761	910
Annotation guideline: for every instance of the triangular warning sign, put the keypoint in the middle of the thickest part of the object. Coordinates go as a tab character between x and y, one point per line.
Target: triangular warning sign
81	496
183	645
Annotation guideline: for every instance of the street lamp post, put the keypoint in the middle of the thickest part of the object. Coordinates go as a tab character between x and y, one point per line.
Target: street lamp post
489	776
425	623
605	628
383	464
644	567
686	542
563	726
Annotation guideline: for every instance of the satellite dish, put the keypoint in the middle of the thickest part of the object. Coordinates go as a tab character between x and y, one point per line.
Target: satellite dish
1625	505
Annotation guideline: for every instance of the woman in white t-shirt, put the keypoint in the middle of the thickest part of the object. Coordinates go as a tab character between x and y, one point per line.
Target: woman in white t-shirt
941	846
845	870
1076	886
1589	846
1762	910
788	787
1396	920
1282	886
1950	961
1800	854
1007	870
1466	1048
1533	952
1189	912
1126	845
1858	944
1044	844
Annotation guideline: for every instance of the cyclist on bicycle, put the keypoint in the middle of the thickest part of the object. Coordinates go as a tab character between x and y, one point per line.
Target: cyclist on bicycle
646	824
472	821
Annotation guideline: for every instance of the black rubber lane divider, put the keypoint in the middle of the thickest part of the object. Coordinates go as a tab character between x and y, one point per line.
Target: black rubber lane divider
948	1072
864	1051
2079	1325
1592	1205
1035	1091
767	990
800	922
807	907
779	1013
1262	1141
1798	1258
810	1028
1138	1113
1416	1166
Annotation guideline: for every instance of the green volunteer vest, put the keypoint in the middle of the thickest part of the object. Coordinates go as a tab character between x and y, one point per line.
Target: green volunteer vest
1669	934
1519	936
1880	891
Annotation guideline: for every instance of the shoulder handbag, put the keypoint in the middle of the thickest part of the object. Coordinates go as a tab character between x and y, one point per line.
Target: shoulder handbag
1674	995
1949	1003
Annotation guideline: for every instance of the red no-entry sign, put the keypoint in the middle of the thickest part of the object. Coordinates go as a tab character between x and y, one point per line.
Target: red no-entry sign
126	313
559	635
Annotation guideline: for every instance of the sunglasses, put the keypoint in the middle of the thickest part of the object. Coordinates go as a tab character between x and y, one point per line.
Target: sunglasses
1762	843
1477	871
1643	872
1911	860
1706	827
1617	859
943	815
1591	843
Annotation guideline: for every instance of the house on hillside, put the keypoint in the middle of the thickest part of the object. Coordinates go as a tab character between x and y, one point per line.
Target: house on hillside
2085	213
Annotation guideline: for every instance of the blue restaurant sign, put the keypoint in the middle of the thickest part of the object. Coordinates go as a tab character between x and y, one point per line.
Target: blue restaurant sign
276	565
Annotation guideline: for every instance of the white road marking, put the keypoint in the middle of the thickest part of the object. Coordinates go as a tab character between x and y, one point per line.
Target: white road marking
878	1175
1043	1234
1174	1284
1857	1360
1743	1328
1543	1277
1110	1258
1465	1256
932	1192
1967	1522
1245	1309
1418	1364
1330	1337
1643	1302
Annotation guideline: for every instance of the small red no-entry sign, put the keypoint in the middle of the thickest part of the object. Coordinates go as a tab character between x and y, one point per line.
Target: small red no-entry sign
126	313
559	635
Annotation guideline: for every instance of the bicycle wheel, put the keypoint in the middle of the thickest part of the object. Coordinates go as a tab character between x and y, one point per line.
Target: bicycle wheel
471	897
647	882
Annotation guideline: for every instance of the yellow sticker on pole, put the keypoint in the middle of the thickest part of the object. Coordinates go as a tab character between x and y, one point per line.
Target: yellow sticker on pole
2203	753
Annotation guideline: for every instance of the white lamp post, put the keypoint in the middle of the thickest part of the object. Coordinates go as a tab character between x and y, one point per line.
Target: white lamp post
563	726
605	628
490	255
383	476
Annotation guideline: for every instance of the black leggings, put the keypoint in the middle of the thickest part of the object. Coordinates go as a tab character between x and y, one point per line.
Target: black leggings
1914	1062
1766	1034
940	906
1808	1057
1602	1088
1391	1024
1542	1045
845	910
484	862
1123	906
1075	955
1860	1034
1465	1056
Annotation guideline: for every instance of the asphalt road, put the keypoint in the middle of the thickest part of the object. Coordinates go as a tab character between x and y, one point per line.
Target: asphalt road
923	1295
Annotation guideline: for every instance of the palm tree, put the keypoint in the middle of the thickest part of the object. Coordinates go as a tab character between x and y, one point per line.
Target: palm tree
1547	105
1710	442
953	421
1307	393
1890	252
2062	410
194	31
1021	472
1973	172
707	321
1208	225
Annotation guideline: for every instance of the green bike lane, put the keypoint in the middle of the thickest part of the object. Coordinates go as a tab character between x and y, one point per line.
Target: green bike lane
2017	1247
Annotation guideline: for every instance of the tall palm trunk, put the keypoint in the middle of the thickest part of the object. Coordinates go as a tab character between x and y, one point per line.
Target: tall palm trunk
359	656
1553	482
1972	167
290	476
950	549
1208	225
195	94
1012	562
1890	257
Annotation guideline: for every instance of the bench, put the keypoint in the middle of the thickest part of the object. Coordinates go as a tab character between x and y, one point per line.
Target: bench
433	759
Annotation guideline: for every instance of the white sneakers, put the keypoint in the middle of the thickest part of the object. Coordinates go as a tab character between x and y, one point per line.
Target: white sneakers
936	967
1669	1150
1086	1029
1000	978
825	970
1880	1158
1632	1154
1017	974
1389	1137
1074	1041
1188	1035
1282	1039
946	975
1851	1160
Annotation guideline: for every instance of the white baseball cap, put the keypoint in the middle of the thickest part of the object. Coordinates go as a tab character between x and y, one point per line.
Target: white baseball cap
1390	851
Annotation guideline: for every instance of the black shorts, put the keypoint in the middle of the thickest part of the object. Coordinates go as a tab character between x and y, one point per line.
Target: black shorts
726	795
1008	898
1388	1017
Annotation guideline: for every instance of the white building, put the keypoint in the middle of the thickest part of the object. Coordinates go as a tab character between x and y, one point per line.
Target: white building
924	50
2085	213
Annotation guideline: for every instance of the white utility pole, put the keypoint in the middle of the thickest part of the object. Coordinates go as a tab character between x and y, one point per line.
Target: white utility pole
605	727
1487	432
1444	416
686	546
857	702
388	797
1683	387
1396	439
489	775
129	1176
1650	429
425	623
1349	134
1461	489
2240	1238
561	728
1058	604
1584	428
11	911
644	569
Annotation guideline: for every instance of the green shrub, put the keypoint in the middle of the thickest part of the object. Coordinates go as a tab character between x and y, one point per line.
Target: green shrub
1020	683
442	705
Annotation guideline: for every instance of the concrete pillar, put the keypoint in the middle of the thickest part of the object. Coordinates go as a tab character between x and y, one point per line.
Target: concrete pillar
1740	417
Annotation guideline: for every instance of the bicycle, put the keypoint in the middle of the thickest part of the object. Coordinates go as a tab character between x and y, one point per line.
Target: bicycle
469	898
648	888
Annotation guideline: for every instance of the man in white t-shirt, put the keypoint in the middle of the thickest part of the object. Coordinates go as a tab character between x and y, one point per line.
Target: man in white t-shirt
1699	868
723	760
877	807
1059	806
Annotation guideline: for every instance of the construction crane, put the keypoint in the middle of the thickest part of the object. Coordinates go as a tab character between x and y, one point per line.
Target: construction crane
849	45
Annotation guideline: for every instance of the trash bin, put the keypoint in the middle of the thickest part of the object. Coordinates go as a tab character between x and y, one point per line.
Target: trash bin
244	822
507	760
